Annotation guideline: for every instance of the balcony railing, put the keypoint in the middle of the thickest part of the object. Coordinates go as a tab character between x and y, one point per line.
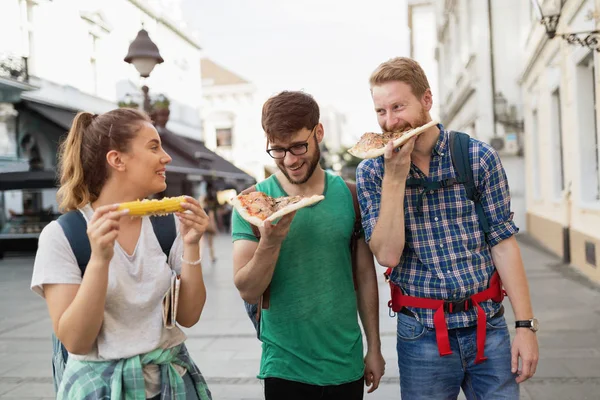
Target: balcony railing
13	67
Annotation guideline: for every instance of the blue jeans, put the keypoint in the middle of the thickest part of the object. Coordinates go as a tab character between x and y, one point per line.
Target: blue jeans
425	375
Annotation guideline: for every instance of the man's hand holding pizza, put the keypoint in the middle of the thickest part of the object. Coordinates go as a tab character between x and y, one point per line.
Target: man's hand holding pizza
274	233
397	161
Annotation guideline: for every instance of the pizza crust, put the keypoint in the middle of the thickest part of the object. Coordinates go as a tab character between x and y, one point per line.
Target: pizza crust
254	220
374	153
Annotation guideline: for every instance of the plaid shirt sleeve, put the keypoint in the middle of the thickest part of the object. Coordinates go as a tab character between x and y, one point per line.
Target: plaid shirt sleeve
495	196
368	189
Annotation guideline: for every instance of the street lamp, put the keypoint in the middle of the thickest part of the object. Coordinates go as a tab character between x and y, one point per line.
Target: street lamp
504	114
143	54
548	12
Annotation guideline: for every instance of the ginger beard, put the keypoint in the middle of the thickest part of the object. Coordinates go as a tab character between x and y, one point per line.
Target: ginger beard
404	125
307	164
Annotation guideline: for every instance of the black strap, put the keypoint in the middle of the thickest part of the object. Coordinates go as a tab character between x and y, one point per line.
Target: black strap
165	231
356	231
427	185
459	151
74	226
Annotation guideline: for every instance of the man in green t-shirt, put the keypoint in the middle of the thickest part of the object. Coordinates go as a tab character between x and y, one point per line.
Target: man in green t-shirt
312	344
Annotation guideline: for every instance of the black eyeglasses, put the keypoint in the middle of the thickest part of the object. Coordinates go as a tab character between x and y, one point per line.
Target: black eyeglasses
297	149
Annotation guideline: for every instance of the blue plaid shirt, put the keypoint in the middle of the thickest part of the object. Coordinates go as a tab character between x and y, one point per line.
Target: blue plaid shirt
446	255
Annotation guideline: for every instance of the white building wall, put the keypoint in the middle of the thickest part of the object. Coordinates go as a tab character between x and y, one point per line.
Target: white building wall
466	87
424	42
60	48
562	136
236	107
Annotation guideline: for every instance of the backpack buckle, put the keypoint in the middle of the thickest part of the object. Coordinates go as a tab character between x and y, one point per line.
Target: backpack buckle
447	182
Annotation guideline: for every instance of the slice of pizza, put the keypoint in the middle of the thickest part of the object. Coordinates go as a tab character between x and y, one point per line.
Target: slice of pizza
372	145
258	207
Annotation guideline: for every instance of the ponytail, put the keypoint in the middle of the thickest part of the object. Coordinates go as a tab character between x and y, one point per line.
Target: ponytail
82	155
73	192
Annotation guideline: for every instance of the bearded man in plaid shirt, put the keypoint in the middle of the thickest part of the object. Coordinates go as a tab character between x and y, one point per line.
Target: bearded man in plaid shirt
443	264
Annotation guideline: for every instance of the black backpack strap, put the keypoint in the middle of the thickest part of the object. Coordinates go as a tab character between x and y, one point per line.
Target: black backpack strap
165	231
459	151
356	230
74	226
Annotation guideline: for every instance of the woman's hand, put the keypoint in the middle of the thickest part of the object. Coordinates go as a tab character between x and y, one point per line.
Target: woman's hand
103	230
194	223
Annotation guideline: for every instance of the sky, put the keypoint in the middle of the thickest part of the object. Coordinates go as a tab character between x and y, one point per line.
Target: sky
327	48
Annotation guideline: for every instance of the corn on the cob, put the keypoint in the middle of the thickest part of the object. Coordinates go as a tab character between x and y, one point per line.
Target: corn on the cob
153	207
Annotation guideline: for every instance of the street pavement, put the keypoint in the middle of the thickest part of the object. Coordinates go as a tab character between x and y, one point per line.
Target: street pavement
224	345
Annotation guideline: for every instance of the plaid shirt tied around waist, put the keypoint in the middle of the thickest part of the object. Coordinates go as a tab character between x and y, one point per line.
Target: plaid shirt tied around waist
124	379
446	254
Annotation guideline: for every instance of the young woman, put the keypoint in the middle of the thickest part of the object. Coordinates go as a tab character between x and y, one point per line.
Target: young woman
111	320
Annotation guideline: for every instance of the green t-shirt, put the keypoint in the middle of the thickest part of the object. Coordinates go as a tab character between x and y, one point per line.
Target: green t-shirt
310	332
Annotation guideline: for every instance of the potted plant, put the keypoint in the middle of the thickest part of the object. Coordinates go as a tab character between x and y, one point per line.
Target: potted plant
160	110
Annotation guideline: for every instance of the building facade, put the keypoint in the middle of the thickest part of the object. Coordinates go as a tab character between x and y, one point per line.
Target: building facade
423	43
560	86
231	116
479	89
58	57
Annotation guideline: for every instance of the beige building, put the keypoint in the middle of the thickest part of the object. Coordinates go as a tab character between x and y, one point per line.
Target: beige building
231	119
560	85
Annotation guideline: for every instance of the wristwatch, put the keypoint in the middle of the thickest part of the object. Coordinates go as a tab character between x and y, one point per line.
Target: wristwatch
528	323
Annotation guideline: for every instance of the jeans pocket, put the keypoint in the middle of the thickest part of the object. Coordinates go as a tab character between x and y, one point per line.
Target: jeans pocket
497	323
409	328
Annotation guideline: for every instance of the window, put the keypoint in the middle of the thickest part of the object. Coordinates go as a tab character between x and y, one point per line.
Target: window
224	138
588	129
535	156
558	172
28	9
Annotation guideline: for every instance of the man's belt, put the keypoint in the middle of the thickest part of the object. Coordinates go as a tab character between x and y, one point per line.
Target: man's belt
494	292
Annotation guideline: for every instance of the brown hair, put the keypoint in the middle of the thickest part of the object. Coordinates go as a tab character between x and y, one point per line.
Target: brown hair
401	69
82	155
288	112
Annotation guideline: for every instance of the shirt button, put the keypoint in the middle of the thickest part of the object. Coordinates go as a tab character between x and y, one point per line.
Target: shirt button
442	245
435	219
441	154
431	192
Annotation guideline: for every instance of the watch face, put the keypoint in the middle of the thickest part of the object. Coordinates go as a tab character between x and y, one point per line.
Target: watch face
534	325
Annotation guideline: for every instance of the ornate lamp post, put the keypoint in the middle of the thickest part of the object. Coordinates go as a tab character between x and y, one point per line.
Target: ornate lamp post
144	55
548	12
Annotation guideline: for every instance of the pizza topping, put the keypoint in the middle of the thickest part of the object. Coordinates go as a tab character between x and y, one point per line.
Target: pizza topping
258	204
282	202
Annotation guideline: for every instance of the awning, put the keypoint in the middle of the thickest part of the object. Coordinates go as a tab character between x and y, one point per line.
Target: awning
190	156
62	117
10	90
28	180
